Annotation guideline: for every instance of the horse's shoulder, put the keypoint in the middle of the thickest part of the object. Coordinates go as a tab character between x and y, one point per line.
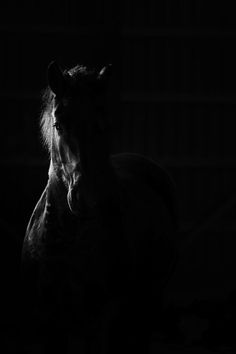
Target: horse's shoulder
33	231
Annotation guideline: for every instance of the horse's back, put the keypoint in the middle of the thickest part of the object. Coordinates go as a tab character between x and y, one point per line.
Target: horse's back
148	203
147	192
148	181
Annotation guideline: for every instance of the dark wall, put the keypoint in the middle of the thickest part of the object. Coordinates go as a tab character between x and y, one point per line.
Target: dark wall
174	64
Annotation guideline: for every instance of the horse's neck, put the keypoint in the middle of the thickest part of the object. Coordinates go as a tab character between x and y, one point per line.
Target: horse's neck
56	192
106	182
101	185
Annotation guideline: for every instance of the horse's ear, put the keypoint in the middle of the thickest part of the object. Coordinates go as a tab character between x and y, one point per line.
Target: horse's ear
56	80
104	76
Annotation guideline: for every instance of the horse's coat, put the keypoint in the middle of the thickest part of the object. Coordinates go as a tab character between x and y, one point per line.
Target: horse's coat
99	246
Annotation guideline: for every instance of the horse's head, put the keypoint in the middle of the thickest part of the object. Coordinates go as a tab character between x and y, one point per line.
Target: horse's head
74	126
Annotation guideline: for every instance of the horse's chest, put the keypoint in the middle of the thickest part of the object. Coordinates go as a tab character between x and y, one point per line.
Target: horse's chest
77	272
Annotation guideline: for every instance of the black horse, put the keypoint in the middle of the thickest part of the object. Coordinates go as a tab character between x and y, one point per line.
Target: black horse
99	247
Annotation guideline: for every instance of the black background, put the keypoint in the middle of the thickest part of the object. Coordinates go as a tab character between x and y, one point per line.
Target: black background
174	83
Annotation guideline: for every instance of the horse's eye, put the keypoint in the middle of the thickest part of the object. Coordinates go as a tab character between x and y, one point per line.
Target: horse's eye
58	127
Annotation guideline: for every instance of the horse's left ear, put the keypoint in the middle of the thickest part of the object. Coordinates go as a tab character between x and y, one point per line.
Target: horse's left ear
104	76
56	80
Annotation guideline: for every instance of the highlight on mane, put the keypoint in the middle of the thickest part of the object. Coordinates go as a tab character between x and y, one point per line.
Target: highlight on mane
46	117
79	74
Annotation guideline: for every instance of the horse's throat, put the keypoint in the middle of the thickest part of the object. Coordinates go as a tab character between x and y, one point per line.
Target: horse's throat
89	191
81	197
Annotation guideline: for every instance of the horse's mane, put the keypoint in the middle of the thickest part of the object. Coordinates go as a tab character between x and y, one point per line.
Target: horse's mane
46	117
77	75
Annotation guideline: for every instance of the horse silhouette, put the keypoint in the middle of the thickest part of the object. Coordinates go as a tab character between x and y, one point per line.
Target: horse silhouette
100	245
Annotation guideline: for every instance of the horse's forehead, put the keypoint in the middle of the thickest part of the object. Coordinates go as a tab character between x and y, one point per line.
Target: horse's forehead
71	107
79	85
74	96
65	103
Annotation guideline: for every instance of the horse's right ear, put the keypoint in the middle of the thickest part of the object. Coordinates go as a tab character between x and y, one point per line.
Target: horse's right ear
56	80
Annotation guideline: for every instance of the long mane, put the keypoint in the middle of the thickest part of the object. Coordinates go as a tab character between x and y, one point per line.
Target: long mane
46	117
77	75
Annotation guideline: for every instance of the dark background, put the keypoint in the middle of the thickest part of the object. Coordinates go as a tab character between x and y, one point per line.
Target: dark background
174	78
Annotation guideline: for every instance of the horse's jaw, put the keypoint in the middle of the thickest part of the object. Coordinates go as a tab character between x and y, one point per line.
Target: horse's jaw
76	206
83	189
80	198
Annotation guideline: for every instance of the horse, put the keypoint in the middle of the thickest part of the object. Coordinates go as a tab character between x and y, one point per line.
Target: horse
100	245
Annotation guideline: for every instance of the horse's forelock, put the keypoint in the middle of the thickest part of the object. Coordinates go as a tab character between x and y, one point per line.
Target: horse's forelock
80	78
80	72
